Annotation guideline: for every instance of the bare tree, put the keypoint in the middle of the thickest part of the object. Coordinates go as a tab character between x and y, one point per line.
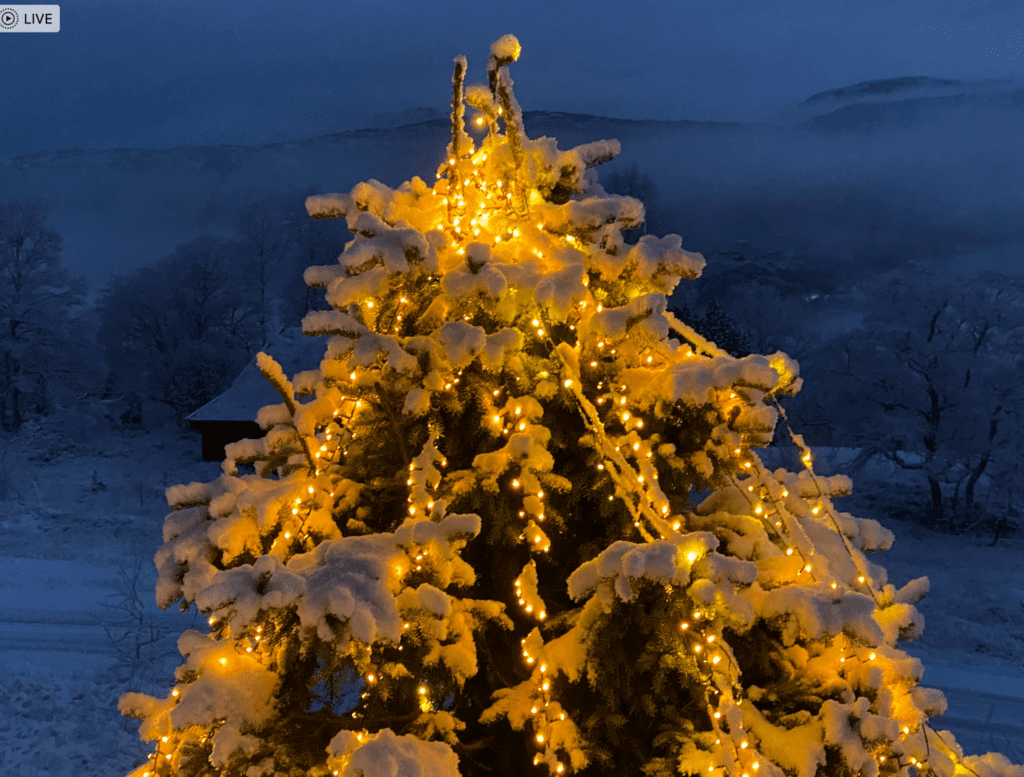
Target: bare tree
263	244
179	331
39	299
629	181
931	382
312	242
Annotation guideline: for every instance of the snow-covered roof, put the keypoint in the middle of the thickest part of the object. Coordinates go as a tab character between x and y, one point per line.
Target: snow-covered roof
250	391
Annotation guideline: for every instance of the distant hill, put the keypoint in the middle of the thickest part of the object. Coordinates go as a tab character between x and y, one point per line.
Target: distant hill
893	169
883	86
889	103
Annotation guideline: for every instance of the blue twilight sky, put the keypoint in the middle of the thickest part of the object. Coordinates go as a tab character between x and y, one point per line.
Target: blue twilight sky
156	73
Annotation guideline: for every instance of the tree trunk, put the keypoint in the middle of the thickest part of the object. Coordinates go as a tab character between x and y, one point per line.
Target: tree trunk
936	507
972	481
976	474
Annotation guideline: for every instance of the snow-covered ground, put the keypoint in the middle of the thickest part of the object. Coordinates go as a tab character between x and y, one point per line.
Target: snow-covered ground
79	531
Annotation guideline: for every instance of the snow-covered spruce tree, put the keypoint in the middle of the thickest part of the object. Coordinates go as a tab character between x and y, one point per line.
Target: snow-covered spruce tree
513	525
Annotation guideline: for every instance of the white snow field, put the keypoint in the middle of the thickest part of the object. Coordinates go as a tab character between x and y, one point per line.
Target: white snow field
79	528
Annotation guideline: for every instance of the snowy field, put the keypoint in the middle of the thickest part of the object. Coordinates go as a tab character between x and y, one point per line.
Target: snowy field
81	521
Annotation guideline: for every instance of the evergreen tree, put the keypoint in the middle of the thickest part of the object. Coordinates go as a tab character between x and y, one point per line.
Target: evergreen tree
511	526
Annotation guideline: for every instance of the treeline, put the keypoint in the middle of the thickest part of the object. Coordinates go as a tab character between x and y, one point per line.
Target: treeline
920	370
174	332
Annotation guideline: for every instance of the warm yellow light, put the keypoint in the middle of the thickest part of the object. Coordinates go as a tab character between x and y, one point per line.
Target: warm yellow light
691	556
223	662
422	690
567	382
